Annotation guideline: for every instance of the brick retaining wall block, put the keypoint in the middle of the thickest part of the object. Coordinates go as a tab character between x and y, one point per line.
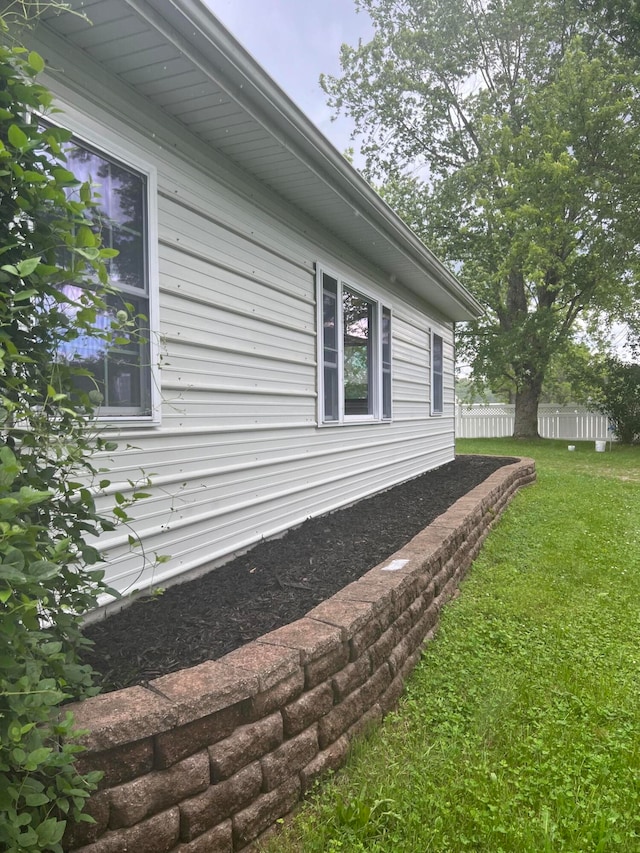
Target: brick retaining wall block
246	744
209	758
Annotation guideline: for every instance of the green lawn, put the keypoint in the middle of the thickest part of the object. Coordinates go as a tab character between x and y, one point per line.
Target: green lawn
520	728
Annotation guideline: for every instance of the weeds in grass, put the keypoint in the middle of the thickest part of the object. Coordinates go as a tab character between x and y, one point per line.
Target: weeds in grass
518	731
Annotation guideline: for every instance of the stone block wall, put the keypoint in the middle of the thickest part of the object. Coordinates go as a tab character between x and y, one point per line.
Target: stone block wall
207	759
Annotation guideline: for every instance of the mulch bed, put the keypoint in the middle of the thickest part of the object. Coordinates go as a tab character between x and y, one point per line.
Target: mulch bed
274	583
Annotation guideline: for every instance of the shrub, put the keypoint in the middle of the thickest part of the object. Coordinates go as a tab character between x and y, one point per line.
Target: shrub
49	236
619	398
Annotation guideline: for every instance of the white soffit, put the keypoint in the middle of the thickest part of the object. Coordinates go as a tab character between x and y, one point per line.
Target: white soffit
180	57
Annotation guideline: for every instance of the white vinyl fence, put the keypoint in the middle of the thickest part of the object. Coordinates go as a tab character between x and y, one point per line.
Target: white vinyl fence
494	420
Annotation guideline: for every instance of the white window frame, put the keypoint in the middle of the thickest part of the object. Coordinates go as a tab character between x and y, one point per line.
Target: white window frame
104	141
377	384
437	377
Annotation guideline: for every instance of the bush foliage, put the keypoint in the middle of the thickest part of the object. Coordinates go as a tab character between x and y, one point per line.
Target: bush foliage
619	398
49	236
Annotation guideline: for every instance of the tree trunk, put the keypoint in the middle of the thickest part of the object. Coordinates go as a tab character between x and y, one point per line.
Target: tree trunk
526	418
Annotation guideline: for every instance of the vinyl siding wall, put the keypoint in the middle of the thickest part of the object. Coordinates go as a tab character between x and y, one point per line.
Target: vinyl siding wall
238	454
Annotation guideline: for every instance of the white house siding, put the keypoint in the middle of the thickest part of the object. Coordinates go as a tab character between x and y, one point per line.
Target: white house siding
238	454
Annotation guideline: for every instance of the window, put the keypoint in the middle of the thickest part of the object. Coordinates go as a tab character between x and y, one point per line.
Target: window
120	372
437	375
386	363
355	375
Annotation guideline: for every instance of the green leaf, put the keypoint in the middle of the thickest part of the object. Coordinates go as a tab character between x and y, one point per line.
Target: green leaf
28	839
63	176
37	757
36	62
13	576
36	800
9	467
15	731
86	315
83	817
50	831
34	177
18	755
90	555
91	254
85	237
25	268
26	295
17	137
43	570
13	558
51	648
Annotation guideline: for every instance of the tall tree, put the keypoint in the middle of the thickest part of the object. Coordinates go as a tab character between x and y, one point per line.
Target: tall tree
506	132
620	19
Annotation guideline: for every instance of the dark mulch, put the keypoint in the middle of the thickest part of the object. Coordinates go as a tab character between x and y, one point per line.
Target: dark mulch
275	583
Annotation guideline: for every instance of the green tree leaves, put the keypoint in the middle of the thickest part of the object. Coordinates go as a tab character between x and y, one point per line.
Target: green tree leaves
507	134
618	397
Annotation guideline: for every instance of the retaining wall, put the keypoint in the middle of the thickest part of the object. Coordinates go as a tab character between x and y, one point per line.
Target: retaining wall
207	759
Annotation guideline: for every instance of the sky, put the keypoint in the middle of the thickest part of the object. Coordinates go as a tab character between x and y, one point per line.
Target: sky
295	41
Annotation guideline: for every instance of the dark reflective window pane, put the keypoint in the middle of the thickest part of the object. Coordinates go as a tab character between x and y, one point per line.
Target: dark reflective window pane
118	361
330	346
330	393
386	363
120	215
358	325
437	374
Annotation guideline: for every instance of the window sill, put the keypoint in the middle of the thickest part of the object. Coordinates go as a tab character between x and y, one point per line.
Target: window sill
127	420
354	421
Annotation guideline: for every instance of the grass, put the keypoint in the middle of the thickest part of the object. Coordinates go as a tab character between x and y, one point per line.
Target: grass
519	731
